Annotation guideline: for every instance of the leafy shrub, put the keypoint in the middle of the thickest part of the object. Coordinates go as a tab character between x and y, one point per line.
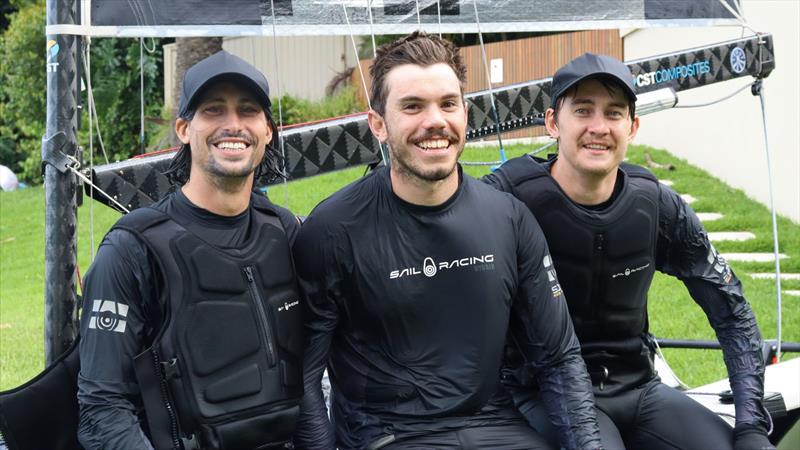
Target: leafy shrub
296	110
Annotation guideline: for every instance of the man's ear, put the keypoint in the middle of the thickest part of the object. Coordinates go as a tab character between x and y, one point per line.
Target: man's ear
634	128
377	125
182	130
551	124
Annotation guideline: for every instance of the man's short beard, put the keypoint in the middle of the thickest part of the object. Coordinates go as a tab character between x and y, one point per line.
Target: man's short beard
413	174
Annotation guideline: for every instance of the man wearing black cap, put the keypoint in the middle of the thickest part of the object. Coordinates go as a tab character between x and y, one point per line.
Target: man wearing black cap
609	226
191	325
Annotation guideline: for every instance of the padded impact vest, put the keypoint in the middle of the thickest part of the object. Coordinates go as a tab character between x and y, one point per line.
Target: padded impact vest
605	261
225	368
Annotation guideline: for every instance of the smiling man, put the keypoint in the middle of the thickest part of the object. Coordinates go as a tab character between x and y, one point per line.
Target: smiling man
415	275
188	340
610	226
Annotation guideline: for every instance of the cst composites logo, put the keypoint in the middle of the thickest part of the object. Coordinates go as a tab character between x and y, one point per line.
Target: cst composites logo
675	73
52	53
430	267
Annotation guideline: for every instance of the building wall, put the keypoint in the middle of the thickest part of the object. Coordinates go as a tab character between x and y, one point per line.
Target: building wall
305	64
727	139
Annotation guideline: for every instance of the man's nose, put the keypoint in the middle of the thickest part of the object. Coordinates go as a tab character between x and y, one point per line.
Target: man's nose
434	117
598	124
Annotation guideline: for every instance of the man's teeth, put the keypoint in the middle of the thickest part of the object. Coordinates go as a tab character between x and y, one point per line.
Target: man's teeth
432	144
596	146
232	145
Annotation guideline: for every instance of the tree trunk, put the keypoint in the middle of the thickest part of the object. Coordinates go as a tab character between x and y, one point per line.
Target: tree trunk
188	52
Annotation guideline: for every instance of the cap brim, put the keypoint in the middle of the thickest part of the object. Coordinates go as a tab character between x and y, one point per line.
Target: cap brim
236	77
626	88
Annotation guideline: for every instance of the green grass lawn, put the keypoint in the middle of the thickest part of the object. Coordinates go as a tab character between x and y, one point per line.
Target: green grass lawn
673	313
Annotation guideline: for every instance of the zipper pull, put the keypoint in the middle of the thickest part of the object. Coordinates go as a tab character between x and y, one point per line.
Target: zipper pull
598	242
248	272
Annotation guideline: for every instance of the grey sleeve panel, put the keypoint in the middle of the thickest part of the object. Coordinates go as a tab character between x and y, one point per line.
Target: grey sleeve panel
112	333
542	330
319	283
685	252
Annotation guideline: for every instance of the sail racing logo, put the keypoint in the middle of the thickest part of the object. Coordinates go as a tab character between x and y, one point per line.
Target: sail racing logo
430	267
719	264
555	286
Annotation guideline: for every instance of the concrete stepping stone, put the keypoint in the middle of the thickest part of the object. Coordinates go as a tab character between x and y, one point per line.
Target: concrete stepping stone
708	217
792	293
688	198
739	236
666	182
753	257
771	276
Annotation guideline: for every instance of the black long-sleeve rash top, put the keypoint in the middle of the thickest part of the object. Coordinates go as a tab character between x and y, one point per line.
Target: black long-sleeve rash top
124	274
409	308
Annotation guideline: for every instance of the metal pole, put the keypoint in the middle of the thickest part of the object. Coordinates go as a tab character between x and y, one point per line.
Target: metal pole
60	296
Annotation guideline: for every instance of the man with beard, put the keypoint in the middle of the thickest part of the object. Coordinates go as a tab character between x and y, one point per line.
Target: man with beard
610	225
191	326
414	277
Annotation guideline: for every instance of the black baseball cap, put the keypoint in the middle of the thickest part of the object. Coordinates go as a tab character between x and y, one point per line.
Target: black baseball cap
217	67
590	65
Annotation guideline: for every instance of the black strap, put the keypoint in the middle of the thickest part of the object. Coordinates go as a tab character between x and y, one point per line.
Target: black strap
160	417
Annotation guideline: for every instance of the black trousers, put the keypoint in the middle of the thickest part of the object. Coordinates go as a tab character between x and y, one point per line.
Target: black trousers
653	416
504	437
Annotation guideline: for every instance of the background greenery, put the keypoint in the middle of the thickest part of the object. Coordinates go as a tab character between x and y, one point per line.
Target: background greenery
115	84
673	313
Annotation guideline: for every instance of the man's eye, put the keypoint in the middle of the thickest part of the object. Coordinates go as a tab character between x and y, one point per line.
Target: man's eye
581	111
411	107
250	110
615	114
212	109
449	104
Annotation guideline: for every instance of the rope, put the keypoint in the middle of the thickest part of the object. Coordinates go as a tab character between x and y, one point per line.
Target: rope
700	105
280	107
439	16
88	60
141	95
738	16
489	82
93	111
75	169
774	222
361	71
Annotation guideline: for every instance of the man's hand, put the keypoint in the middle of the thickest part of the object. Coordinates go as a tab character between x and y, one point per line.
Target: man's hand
751	437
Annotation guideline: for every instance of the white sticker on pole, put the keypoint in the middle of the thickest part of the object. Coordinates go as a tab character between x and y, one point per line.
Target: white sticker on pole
496	70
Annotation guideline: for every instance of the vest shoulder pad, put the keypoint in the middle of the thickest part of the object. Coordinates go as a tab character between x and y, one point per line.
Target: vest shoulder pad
140	219
519	170
637	171
265	207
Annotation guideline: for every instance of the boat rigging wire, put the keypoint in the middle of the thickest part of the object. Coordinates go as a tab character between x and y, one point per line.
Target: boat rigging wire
489	83
281	141
758	89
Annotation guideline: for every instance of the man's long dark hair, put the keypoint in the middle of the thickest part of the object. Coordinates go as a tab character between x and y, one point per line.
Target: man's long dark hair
267	172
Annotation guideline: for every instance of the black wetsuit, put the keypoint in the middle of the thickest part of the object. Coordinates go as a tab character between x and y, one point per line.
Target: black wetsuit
637	410
409	308
124	272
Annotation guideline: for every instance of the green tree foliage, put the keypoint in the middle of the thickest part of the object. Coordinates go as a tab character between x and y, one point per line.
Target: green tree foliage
117	89
23	90
115	83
